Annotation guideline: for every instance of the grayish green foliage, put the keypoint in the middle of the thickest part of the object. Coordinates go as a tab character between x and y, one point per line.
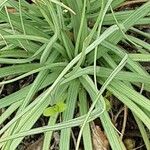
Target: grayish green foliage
53	41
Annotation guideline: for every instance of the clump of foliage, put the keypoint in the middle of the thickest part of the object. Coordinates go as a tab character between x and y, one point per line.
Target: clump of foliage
73	49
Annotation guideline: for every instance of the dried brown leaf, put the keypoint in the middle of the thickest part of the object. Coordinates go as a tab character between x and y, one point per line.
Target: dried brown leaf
100	141
37	145
11	10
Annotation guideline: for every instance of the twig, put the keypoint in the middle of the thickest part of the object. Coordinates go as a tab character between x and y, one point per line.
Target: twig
124	121
132	2
74	139
117	115
139	147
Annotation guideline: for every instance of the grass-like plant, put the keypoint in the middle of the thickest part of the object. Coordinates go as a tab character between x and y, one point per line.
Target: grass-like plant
72	48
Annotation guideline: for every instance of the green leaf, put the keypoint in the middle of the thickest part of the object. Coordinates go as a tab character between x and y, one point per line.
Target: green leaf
61	106
53	110
50	111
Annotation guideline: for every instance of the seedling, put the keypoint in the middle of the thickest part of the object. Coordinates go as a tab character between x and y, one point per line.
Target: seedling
53	110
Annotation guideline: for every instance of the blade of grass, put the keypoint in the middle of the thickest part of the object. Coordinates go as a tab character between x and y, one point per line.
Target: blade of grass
77	46
140	57
87	138
143	132
59	78
52	121
68	114
104	86
37	82
34	71
30	118
59	126
132	94
21	94
112	135
2	3
9	111
135	108
103	13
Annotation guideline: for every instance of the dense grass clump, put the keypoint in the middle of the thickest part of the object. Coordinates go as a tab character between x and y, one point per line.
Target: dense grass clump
82	57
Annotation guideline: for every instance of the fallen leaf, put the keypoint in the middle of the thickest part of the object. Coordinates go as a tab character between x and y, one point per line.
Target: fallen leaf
37	145
100	141
11	10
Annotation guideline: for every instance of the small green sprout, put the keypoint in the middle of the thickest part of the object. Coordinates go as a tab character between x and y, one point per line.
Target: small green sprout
53	110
